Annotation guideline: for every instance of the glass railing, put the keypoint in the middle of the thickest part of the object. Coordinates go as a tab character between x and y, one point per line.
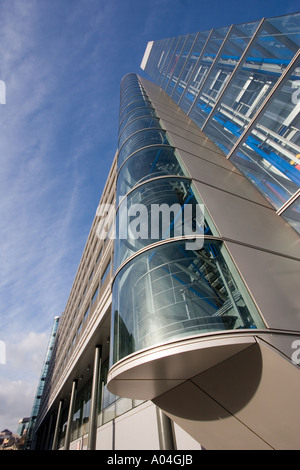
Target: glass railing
170	292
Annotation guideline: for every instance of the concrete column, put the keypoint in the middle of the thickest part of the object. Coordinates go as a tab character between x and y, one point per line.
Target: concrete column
165	431
70	415
57	424
94	399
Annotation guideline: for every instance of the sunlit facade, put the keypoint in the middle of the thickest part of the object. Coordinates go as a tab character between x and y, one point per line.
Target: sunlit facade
241	86
182	325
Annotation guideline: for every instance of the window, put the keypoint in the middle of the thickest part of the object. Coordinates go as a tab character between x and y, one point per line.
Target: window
95	294
97	260
86	313
105	273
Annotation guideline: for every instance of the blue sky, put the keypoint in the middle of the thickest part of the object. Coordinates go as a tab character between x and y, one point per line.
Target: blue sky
62	62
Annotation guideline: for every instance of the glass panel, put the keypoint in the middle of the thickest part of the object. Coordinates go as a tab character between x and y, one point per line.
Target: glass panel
170	292
156	56
189	66
131	116
270	155
106	398
137	103
105	273
167	59
95	294
139	140
221	71
129	98
181	61
292	215
149	162
203	66
265	61
155	211
144	122
174	62
123	405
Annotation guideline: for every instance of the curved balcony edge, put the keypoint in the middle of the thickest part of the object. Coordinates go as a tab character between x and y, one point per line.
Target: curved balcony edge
148	373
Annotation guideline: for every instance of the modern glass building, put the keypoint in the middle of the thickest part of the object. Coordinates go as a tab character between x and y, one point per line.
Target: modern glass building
182	328
30	436
240	85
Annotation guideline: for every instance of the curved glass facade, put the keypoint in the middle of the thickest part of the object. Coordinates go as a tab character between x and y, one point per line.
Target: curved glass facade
169	292
136	125
147	163
156	210
165	288
140	139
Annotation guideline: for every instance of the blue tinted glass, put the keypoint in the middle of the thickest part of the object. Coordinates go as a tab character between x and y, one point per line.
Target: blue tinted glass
221	71
176	293
147	163
203	65
168	55
155	211
181	61
270	155
174	61
139	140
135	114
292	215
144	122
264	63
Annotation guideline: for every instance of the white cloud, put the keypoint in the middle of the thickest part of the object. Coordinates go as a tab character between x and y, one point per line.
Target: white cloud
16	398
24	359
26	354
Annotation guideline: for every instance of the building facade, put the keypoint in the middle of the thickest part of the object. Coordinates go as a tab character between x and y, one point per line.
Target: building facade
31	436
182	328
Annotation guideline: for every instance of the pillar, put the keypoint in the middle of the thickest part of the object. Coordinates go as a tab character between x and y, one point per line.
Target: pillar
70	415
94	399
165	431
57	425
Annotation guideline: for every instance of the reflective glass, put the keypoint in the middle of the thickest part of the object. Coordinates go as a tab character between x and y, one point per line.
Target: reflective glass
137	112
159	53
189	66
141	139
168	292
270	155
173	62
138	103
221	71
136	125
267	58
181	61
203	66
131	96
292	215
149	162
162	70
155	211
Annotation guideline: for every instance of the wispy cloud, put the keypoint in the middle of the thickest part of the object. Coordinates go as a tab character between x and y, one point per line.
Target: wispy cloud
48	144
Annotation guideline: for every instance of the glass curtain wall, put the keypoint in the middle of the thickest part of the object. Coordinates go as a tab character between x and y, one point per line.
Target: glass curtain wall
172	277
239	78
